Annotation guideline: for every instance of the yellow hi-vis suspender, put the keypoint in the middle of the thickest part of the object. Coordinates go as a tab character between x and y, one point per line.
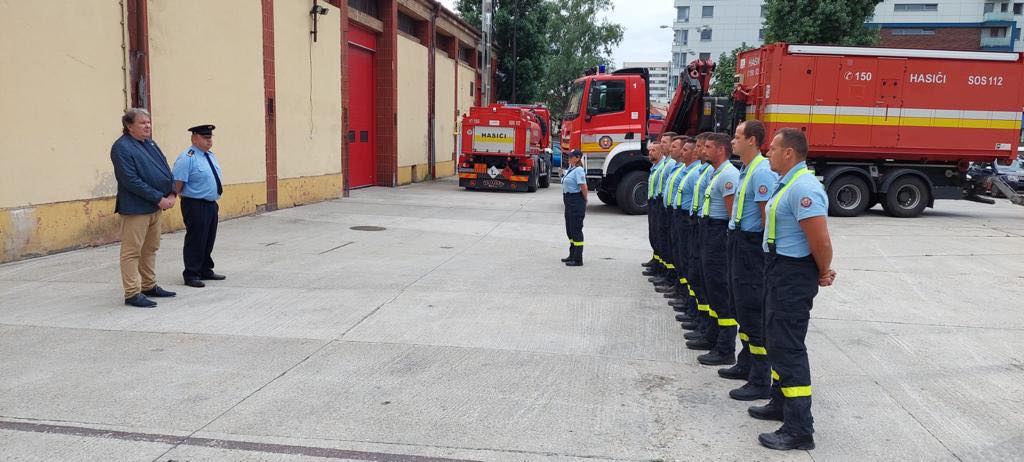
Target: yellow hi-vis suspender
696	188
679	191
774	205
707	191
668	197
743	189
651	178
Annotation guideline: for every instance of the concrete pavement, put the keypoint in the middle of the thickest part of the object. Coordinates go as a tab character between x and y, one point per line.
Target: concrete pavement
455	334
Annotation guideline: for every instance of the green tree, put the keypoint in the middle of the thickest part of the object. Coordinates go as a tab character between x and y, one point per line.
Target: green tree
725	71
822	22
521	36
581	38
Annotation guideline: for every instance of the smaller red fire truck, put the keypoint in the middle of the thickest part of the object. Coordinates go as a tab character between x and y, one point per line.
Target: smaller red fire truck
506	147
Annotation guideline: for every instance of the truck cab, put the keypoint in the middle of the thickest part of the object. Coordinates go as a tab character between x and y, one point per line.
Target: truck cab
606	119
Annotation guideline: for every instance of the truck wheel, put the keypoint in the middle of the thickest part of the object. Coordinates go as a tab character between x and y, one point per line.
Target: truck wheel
907	197
531	184
631	194
545	180
848	196
607	198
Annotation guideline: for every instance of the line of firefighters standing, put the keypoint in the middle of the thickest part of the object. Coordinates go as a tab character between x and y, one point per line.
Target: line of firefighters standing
742	252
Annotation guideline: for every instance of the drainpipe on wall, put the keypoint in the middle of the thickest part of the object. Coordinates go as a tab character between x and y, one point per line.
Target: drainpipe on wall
432	92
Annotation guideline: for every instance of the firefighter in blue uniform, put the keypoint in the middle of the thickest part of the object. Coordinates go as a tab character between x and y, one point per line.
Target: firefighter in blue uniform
798	260
746	263
197	179
663	279
714	222
574	196
671	286
681	301
654	155
659	158
692	189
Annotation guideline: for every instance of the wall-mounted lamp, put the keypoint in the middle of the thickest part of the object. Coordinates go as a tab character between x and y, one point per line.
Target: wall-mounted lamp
316	12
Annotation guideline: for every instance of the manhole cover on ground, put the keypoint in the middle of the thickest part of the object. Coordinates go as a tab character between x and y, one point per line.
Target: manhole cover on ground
368	228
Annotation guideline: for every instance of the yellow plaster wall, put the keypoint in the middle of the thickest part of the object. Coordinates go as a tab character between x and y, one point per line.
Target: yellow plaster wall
445	111
412	103
207	67
467	79
308	79
61	100
308	189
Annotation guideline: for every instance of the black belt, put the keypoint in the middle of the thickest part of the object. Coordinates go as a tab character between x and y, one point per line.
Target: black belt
713	221
198	200
571	193
771	253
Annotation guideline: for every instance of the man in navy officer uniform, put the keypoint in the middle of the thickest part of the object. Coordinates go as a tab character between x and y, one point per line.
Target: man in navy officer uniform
714	222
746	262
197	179
798	260
574	196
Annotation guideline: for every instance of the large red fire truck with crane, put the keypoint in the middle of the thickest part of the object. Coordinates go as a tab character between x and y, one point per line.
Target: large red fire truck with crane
506	147
892	126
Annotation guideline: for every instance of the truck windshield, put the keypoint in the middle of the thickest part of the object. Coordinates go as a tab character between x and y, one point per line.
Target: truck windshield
572	111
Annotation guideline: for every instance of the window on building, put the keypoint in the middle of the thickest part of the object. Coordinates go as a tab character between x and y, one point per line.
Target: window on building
443	42
913	31
707	12
1018	8
465	54
764	11
997	32
682	36
366	6
990	7
1004	7
704	56
705	34
407	24
760	34
607	96
917	7
683	13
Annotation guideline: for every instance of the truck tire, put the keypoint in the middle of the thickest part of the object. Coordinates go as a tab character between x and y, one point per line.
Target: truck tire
607	198
531	184
631	194
545	181
848	196
907	197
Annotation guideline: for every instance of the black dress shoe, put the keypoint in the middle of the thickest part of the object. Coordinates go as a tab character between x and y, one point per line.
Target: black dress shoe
699	344
649	272
139	301
683	318
736	372
211	276
750	392
783	441
648	263
663	289
566	259
158	291
674	294
693	336
573	263
688	325
770	411
677	303
716	358
195	283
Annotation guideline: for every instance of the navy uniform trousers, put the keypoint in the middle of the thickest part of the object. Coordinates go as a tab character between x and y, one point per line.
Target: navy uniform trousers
790	287
714	266
680	230
694	273
746	288
575	211
200	217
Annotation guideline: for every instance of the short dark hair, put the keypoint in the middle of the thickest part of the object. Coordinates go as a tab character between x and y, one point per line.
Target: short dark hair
680	138
794	139
702	136
754	128
723	140
669	134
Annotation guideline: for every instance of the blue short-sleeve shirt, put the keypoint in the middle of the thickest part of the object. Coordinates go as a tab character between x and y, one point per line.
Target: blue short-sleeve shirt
680	183
724	183
192	168
759	188
672	178
662	175
805	199
574	177
701	178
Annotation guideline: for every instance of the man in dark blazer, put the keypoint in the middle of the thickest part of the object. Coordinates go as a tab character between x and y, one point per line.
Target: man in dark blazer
144	191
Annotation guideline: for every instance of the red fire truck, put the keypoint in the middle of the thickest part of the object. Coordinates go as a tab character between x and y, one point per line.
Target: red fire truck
506	147
891	126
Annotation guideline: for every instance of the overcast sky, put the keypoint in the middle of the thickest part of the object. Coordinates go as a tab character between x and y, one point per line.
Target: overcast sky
643	40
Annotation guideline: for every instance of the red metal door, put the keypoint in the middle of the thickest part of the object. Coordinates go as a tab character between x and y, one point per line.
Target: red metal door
856	108
361	137
825	101
889	104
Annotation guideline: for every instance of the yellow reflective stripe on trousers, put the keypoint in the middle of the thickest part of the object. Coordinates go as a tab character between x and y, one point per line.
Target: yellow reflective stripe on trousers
757	350
577	244
696	188
712	313
692	294
744	337
670	266
727	322
707	192
796	392
702	307
775	375
684	281
773	205
743	188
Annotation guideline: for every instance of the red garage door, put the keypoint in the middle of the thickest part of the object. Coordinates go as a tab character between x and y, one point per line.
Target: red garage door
361	108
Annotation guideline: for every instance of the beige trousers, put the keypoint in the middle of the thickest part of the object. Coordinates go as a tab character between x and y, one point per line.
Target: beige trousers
140	239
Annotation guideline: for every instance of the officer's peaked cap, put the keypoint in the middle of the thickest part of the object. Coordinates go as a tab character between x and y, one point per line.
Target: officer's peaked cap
202	129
